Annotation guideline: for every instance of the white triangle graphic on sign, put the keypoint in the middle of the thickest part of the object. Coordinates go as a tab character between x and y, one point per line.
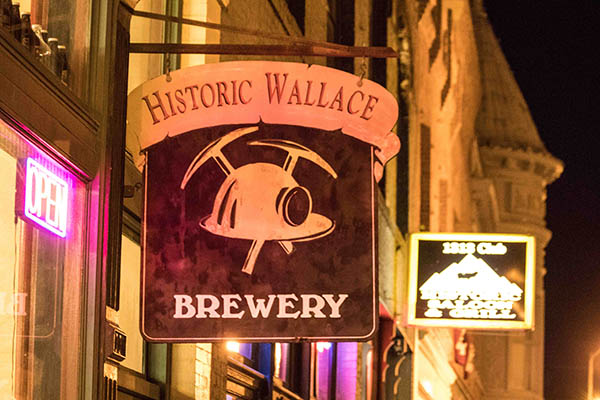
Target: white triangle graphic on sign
471	276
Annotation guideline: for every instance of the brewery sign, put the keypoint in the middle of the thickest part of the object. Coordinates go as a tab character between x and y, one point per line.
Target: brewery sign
259	212
480	281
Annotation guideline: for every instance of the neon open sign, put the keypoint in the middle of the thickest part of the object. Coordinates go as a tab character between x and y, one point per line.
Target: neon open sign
46	198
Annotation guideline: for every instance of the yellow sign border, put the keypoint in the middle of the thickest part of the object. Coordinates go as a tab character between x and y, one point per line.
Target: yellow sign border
413	253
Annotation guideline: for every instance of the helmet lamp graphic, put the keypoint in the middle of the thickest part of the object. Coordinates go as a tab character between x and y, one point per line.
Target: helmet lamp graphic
262	201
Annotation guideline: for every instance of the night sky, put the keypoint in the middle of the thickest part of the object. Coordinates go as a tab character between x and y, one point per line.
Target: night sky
550	47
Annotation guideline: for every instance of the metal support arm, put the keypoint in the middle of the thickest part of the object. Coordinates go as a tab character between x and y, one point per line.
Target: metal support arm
262	50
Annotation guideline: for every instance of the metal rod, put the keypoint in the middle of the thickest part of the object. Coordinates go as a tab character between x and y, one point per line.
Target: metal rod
237	29
262	50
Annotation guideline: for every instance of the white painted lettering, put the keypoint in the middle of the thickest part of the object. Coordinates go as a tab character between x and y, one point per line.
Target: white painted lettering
489	248
307	309
210	309
230	302
335	305
183	301
236	306
285	302
259	306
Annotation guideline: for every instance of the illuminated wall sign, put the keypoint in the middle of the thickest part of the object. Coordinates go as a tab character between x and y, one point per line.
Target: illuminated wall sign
259	208
46	198
471	280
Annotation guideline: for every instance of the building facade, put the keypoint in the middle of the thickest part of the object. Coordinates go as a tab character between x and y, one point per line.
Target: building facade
471	161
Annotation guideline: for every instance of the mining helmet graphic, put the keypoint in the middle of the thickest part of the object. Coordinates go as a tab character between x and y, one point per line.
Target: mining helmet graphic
262	201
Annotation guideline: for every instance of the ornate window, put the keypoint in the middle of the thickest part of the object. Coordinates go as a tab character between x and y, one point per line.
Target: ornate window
55	33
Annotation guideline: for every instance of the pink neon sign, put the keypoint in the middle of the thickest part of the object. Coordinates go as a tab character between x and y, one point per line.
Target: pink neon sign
46	198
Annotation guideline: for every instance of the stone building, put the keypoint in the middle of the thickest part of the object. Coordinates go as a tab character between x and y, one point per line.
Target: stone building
471	161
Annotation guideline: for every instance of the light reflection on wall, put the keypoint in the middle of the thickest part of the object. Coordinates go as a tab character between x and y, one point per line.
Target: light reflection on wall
427	386
346	375
370	374
277	371
323	346
345	355
324	360
233	346
243	349
281	361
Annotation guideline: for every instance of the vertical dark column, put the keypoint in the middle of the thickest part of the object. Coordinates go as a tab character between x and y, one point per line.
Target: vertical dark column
425	177
381	10
116	93
402	157
116	156
264	354
333	370
343	31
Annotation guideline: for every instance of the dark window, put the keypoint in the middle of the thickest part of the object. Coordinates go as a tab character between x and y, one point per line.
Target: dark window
381	10
55	33
297	8
288	364
340	29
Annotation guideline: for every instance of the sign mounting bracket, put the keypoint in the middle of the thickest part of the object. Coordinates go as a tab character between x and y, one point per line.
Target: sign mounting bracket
262	49
300	46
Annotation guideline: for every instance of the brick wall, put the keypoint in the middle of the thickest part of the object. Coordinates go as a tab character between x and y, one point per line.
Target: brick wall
202	368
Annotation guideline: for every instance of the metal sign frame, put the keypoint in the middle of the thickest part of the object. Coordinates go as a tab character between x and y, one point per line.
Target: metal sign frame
260	211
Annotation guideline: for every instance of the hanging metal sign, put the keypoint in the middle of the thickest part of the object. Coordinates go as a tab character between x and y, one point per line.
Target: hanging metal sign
259	215
465	280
